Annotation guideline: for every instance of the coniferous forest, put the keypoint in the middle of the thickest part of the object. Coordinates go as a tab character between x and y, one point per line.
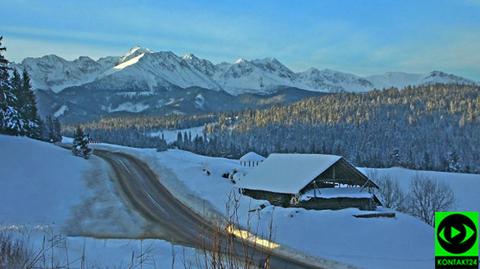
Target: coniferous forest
432	127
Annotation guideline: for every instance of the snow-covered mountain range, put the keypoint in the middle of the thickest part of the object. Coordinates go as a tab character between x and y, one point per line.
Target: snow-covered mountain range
144	71
162	83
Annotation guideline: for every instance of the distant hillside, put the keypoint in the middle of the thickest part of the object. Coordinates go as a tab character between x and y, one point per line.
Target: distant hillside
81	104
429	127
432	127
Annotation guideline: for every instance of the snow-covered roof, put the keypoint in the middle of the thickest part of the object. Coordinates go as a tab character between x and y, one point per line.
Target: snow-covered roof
287	173
252	156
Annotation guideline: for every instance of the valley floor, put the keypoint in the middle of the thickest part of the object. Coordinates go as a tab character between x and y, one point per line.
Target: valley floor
45	190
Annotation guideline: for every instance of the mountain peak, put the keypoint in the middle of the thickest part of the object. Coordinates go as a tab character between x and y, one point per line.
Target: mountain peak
189	57
240	60
137	49
52	57
84	59
437	73
442	77
312	70
134	52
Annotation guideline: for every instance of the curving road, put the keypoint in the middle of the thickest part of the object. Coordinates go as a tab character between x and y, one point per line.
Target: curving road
149	197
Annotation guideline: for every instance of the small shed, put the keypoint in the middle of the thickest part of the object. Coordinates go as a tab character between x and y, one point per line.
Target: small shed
251	159
314	181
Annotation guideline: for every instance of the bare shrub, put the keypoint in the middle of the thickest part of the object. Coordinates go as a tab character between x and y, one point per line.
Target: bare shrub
426	196
390	193
13	253
228	245
19	250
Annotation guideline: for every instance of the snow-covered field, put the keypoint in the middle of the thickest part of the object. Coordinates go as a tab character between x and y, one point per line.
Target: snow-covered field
170	136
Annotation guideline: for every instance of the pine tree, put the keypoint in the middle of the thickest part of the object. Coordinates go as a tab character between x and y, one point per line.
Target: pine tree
29	108
16	84
19	104
10	122
426	163
51	129
179	138
453	162
395	157
80	144
57	130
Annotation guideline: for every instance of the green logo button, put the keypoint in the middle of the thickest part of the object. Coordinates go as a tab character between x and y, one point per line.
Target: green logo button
456	239
456	234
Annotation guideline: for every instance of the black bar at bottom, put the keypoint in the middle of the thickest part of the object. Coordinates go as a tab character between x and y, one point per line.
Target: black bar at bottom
456	262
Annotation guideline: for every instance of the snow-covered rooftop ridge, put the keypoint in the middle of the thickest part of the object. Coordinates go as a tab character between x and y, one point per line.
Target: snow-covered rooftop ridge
252	156
287	173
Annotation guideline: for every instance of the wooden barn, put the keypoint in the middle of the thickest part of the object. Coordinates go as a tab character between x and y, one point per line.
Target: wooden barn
312	181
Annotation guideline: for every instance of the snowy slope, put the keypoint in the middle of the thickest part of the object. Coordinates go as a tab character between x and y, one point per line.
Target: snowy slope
333	81
41	183
401	79
158	69
51	72
256	76
394	79
402	242
144	70
46	192
442	77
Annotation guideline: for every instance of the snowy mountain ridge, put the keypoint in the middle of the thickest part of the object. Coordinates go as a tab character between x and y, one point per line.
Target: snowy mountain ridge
148	70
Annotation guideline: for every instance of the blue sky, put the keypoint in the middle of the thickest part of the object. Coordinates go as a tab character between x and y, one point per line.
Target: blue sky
362	37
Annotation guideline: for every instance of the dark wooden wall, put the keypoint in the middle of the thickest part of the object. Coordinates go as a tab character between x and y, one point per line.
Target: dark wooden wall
283	200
